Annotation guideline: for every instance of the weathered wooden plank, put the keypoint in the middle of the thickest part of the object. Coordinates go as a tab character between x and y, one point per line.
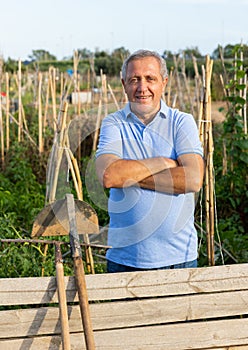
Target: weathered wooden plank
128	285
228	334
111	315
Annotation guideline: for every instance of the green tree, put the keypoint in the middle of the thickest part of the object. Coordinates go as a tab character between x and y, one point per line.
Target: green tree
228	51
120	54
192	51
42	55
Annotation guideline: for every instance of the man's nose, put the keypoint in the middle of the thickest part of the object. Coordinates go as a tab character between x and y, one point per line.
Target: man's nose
142	86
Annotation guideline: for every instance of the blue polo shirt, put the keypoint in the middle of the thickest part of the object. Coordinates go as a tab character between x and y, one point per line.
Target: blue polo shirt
149	229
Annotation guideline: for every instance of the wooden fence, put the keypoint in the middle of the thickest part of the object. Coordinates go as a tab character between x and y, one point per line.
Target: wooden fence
202	308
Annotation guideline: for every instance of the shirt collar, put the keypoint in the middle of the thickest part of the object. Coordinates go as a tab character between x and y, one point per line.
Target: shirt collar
163	112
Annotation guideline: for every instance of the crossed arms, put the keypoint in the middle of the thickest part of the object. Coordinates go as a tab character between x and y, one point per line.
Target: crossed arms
158	174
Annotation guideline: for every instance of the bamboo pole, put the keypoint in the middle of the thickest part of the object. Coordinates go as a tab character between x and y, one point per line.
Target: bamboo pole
187	87
47	80
98	121
52	81
40	122
61	85
168	88
197	86
179	88
7	111
24	131
1	117
113	96
243	93
88	87
20	121
245	105
208	153
73	166
56	155
76	82
61	145
104	93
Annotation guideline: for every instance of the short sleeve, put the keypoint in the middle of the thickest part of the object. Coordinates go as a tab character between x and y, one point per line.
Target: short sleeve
187	136
110	141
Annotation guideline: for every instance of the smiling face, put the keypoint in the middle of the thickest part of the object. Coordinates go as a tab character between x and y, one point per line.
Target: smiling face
144	86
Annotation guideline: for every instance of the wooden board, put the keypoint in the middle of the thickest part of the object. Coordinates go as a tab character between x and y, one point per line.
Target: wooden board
113	315
31	290
152	310
224	335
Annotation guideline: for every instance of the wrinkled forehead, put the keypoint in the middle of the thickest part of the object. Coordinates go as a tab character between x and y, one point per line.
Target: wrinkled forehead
143	66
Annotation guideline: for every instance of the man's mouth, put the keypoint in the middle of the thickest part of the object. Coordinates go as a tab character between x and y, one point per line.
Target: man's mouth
142	98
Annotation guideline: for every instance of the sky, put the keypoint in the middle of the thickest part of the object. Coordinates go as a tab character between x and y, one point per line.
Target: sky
62	26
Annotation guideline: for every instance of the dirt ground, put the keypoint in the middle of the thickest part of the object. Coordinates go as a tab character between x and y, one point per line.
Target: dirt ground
217	115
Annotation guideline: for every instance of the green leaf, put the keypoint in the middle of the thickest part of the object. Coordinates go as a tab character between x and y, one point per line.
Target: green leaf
244	157
240	100
240	74
240	86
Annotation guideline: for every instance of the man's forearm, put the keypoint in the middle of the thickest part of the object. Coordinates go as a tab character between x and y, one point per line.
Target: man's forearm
126	173
172	181
181	179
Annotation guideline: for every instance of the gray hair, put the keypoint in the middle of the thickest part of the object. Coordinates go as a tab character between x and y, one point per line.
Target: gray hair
142	54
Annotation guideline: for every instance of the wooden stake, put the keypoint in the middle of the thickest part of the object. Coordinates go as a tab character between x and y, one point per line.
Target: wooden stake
113	96
52	80
73	165
47	99
7	110
98	121
104	93
208	153
76	82
168	88
179	88
56	155
20	121
1	117
245	105
40	122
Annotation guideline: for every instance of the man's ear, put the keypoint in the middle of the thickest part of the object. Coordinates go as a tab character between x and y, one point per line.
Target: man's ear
123	83
165	81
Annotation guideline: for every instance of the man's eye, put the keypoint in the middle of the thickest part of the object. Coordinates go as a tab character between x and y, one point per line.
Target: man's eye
133	80
150	79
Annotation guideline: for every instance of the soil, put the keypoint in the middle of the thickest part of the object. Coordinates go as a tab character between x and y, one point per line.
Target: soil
219	110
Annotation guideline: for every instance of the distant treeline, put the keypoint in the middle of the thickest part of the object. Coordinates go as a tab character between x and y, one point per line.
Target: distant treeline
110	63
